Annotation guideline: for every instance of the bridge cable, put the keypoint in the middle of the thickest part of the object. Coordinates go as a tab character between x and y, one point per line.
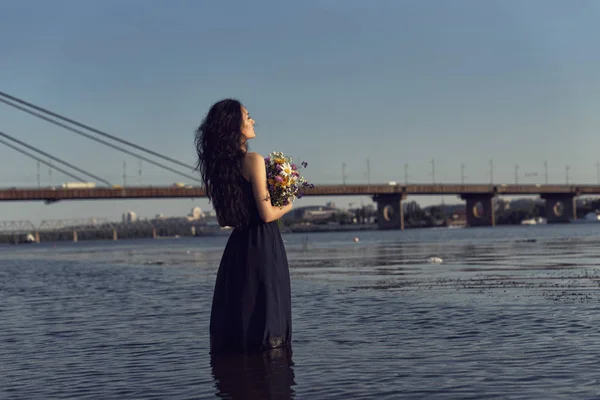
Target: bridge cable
42	161
77	131
97	131
30	147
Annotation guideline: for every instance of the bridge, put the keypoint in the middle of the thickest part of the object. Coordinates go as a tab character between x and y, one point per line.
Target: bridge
53	194
560	199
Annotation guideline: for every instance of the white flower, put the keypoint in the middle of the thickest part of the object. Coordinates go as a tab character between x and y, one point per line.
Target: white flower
286	169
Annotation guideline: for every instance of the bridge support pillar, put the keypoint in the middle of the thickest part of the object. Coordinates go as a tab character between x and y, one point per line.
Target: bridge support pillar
390	214
115	236
154	233
37	237
560	207
480	209
75	239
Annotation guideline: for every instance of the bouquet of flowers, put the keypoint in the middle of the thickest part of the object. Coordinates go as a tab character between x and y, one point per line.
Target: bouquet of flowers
284	182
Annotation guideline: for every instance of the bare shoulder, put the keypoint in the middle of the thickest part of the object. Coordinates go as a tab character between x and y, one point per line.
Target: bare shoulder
252	156
253	166
253	159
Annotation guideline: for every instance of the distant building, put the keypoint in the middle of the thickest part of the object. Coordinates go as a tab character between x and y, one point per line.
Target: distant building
129	217
196	214
311	213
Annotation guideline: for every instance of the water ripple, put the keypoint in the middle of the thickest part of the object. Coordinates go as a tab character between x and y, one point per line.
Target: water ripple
506	314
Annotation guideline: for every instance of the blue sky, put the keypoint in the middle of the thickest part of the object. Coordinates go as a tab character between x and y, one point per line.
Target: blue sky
329	82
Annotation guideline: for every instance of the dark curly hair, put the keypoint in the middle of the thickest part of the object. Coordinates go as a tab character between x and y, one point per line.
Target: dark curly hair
221	149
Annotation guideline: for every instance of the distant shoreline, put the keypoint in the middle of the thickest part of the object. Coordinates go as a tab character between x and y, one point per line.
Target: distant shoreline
80	235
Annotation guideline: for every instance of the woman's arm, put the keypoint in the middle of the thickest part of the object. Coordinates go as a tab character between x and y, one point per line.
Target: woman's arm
254	166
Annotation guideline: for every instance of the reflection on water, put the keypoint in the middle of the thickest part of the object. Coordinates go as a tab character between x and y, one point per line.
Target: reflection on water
266	375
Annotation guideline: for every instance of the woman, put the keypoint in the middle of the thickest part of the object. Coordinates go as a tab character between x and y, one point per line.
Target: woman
251	308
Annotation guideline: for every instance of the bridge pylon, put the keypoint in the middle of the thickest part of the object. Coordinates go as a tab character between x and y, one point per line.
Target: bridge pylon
390	213
560	207
480	209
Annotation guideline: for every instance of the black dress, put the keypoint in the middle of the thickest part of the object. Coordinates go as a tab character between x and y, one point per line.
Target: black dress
251	309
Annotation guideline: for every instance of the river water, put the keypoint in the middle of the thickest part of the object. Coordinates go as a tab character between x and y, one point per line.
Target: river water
508	312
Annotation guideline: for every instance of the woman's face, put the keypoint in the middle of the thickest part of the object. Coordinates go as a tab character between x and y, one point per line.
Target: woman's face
247	125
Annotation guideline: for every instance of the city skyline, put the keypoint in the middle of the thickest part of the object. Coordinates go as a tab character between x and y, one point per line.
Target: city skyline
333	83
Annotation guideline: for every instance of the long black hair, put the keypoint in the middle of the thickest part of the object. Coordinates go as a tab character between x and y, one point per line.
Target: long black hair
221	149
